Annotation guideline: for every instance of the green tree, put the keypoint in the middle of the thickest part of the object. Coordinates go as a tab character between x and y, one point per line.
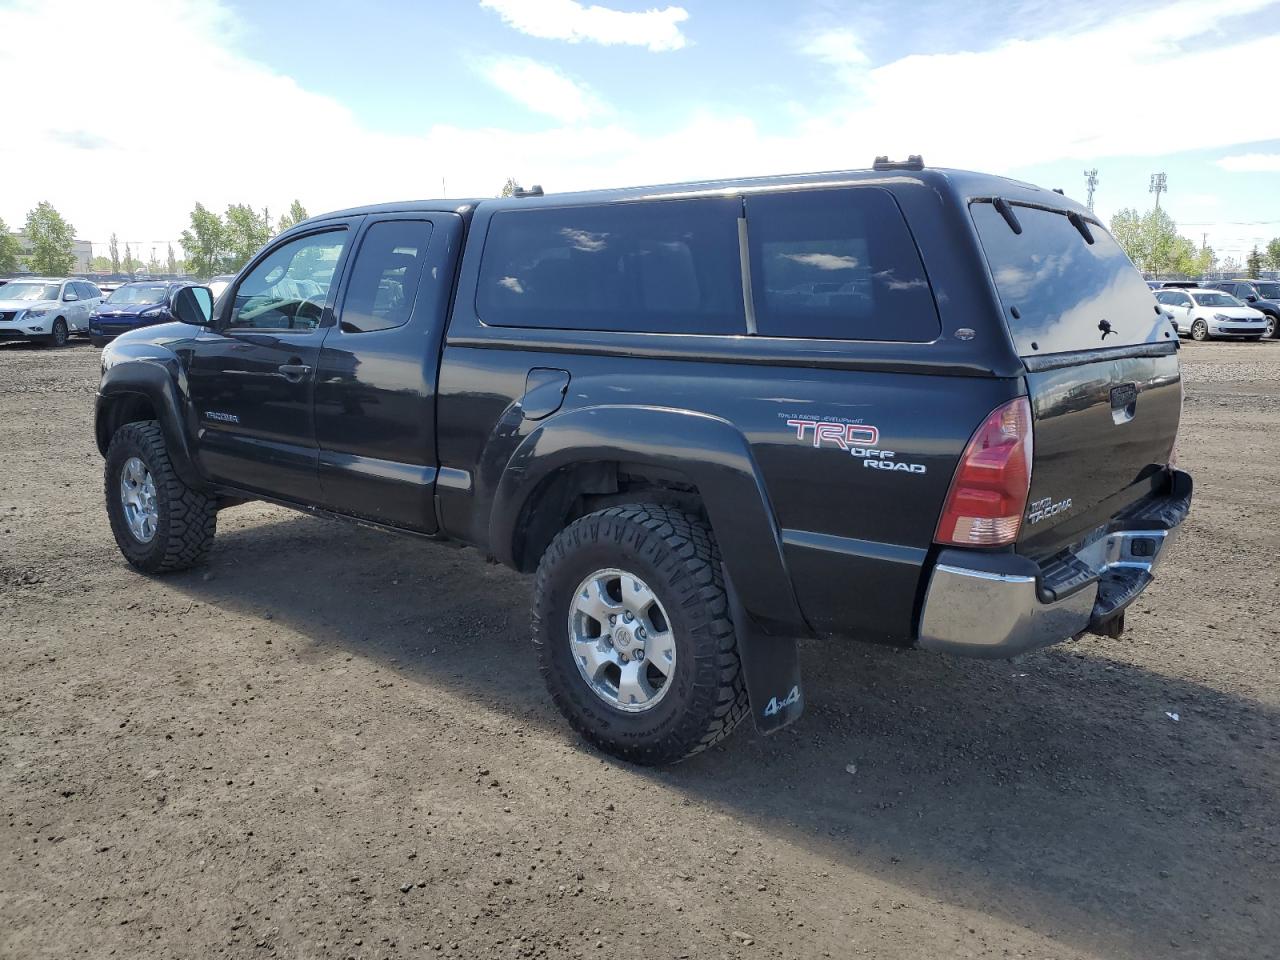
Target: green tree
1151	240
51	239
9	250
297	213
205	243
113	246
128	263
1253	263
510	187
101	265
246	232
1273	254
171	262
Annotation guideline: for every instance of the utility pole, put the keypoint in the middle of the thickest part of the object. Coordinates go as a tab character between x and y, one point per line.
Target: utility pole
1091	178
1159	185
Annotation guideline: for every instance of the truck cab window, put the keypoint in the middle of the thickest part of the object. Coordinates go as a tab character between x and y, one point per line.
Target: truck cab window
289	289
385	278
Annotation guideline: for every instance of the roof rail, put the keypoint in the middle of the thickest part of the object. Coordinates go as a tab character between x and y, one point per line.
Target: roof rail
534	191
913	162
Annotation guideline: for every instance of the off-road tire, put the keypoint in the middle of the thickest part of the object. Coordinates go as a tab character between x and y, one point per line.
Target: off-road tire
674	553
187	518
1199	331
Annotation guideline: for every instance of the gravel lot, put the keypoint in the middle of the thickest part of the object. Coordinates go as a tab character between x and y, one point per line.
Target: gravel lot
333	743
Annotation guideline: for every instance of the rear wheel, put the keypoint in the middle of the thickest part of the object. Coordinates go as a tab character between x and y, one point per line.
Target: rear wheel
1271	327
1199	330
160	524
633	637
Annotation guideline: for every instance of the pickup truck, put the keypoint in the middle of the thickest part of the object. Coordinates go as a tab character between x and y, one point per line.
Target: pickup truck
903	405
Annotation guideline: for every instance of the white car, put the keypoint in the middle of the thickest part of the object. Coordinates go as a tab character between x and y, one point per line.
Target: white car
46	310
1204	314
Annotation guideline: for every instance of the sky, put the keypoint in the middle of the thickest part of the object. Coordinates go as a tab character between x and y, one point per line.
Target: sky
157	104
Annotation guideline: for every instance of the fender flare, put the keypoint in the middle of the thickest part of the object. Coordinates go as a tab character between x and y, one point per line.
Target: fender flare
711	451
152	380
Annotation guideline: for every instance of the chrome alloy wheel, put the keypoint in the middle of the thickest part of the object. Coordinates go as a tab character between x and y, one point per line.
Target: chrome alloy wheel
621	640
138	497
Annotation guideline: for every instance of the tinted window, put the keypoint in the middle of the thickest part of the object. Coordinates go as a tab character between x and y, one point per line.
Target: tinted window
385	277
657	267
288	290
1060	292
91	290
837	265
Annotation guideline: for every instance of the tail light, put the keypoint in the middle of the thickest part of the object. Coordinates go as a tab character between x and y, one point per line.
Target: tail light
988	494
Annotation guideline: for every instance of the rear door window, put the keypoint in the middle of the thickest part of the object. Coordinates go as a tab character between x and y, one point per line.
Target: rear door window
385	277
837	265
1060	292
669	266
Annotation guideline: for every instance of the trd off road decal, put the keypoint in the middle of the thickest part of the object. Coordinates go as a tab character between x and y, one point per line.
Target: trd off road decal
861	440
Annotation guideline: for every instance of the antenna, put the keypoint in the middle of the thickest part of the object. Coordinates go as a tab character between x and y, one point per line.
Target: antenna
1091	179
1159	185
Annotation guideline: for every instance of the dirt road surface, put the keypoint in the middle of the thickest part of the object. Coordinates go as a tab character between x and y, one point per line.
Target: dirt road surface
333	743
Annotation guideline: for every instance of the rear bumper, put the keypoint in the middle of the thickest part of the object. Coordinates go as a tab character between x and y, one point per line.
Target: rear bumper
1001	605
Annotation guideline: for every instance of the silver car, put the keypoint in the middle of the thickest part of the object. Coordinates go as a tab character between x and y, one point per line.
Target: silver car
46	310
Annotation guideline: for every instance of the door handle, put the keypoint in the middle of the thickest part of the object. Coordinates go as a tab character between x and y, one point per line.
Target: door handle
294	371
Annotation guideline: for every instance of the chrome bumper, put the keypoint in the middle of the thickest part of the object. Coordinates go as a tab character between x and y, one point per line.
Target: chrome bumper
983	613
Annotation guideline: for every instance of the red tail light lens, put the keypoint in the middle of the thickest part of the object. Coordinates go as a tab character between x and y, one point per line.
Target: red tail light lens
988	494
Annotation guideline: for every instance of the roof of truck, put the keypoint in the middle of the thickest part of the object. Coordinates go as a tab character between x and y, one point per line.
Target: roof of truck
963	183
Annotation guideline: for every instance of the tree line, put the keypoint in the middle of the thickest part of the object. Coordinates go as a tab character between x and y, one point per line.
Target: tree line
1152	241
214	244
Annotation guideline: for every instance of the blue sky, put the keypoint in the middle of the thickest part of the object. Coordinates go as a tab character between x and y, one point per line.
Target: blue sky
339	103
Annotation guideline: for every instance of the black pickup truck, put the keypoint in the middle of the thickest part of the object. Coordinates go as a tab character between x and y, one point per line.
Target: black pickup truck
911	406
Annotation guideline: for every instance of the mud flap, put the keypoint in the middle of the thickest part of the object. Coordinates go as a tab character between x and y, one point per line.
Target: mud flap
770	667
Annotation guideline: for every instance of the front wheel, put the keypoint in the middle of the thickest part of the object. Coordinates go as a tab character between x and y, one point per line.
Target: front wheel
60	334
633	637
1199	331
1270	332
160	524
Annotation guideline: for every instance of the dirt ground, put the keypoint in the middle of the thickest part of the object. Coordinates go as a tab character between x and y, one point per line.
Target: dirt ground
333	743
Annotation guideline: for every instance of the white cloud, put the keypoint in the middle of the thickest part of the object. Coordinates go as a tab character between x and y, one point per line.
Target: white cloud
1020	103
1063	95
1251	163
543	88
840	48
569	20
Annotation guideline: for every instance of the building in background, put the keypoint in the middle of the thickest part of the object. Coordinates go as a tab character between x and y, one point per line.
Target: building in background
82	249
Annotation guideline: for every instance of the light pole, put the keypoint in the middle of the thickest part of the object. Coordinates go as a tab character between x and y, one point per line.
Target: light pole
1091	179
1159	185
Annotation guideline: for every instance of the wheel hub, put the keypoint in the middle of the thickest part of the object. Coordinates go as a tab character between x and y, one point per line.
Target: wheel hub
138	498
621	640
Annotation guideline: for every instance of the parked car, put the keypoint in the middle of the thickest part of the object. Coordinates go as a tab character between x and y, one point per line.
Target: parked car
1206	314
142	303
653	399
219	283
46	310
1263	295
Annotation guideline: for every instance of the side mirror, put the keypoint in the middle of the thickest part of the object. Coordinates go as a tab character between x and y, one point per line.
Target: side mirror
69	296
1252	298
194	305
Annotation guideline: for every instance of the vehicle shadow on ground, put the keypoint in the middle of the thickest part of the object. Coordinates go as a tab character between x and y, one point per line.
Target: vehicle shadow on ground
1055	792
